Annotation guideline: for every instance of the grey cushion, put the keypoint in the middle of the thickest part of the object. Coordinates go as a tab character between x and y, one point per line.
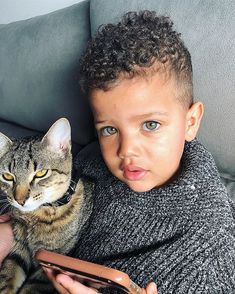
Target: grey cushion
15	131
229	182
39	61
207	28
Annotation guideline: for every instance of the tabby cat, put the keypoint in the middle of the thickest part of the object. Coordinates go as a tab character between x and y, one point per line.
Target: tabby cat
48	206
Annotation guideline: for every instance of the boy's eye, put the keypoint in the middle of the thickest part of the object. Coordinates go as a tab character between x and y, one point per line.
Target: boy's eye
41	173
108	131
8	177
151	125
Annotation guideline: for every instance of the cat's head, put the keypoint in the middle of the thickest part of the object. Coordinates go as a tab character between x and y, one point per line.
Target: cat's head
35	171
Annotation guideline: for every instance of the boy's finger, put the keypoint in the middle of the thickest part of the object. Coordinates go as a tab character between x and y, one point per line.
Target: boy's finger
4	218
151	288
73	286
52	278
6	240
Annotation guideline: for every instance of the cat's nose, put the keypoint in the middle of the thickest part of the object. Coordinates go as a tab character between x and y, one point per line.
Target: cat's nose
21	194
21	201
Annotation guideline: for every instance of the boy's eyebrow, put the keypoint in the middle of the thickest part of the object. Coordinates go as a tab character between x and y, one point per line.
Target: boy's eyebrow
99	121
141	116
145	115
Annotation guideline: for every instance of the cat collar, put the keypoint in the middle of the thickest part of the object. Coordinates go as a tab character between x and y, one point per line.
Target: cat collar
76	174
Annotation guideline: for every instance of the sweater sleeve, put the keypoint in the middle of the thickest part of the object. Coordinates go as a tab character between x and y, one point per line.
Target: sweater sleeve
210	271
203	262
217	274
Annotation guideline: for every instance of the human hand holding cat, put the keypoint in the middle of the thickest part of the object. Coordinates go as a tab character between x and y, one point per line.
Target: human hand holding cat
66	285
6	239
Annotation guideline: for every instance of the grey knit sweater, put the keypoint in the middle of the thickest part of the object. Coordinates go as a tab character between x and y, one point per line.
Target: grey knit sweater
182	236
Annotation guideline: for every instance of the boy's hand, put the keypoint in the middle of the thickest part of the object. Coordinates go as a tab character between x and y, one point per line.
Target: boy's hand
6	237
4	218
66	285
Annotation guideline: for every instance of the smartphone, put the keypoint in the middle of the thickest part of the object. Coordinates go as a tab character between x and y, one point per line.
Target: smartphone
90	274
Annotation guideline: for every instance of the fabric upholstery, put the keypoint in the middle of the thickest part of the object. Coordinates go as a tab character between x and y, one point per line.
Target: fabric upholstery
13	130
39	61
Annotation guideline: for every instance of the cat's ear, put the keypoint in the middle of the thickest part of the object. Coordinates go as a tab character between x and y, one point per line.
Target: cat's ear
58	137
5	144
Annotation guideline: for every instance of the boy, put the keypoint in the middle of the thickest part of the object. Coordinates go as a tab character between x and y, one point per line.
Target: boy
162	213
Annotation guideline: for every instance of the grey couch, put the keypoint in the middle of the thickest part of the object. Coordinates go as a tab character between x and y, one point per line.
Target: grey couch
39	64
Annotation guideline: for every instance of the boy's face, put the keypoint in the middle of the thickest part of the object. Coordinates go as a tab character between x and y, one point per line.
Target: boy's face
142	129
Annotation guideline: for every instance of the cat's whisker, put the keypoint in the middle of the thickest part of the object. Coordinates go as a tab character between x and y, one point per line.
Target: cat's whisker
3	197
2	204
6	203
4	209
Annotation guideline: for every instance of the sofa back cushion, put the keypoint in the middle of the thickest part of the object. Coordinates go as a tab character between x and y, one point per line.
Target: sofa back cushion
39	62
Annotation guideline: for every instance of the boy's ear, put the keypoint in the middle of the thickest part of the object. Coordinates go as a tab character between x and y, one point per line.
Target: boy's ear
194	116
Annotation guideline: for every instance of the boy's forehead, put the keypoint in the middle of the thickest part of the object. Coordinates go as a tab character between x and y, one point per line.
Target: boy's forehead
156	87
137	97
137	86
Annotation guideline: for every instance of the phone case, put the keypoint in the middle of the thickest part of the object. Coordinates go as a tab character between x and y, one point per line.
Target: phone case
91	274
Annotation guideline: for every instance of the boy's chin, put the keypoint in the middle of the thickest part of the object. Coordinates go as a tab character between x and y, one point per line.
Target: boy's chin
140	187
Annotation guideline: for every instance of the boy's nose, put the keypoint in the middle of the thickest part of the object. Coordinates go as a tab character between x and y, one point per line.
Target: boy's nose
128	147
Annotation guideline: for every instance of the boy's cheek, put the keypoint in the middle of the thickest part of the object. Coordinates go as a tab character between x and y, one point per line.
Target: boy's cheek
108	147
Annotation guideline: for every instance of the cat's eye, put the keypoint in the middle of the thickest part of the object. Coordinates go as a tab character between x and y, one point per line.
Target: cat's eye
8	177
41	173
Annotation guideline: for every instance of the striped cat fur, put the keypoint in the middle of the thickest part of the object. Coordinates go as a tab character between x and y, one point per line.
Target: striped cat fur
35	173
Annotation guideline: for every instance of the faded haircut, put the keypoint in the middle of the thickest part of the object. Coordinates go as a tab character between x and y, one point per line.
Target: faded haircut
141	44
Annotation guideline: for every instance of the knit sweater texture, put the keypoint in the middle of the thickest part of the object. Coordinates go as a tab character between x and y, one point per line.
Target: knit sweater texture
182	235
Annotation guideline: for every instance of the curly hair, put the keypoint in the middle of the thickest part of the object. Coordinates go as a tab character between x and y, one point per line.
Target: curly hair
140	44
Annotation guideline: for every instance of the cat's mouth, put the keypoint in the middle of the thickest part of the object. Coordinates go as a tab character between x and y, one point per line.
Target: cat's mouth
28	206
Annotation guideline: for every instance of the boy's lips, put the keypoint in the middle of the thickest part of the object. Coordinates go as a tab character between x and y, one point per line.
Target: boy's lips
133	173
